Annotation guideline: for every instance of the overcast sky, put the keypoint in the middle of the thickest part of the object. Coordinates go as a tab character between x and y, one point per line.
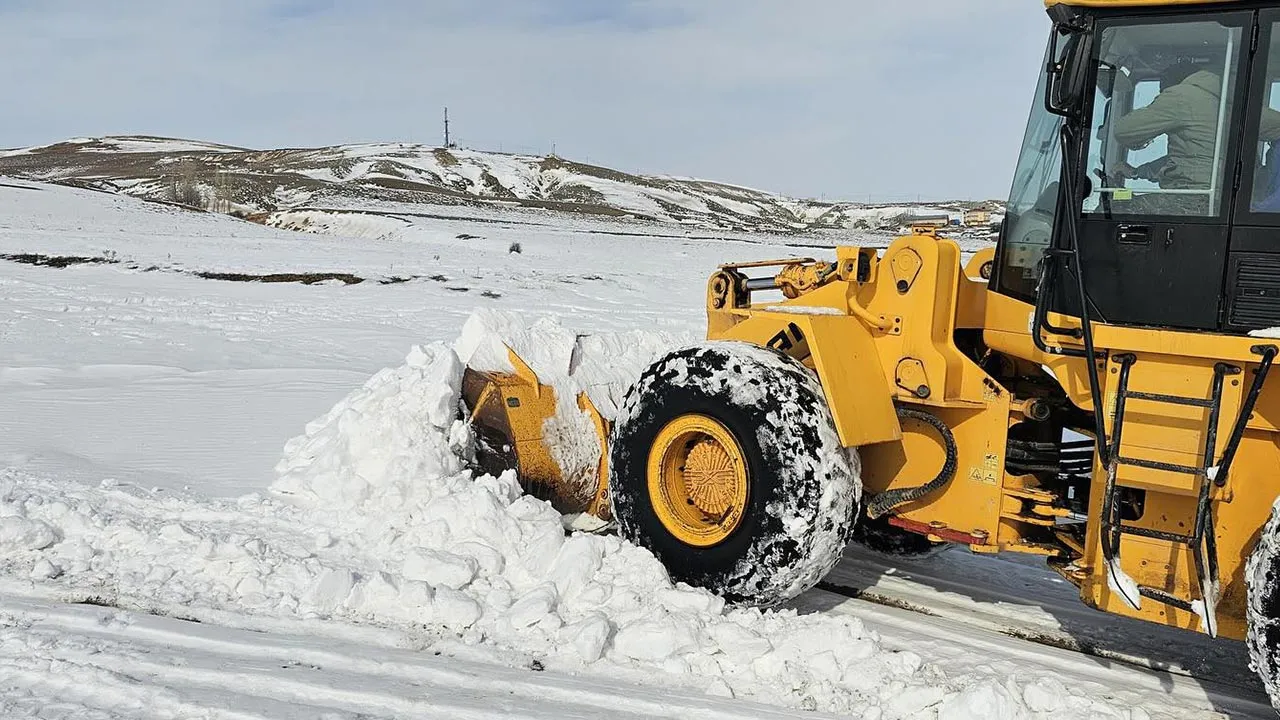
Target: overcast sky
833	98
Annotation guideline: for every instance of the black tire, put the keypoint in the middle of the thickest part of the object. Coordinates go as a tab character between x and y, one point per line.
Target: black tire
879	536
799	475
1262	613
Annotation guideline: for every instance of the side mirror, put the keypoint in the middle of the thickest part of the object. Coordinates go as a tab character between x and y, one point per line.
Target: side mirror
1067	72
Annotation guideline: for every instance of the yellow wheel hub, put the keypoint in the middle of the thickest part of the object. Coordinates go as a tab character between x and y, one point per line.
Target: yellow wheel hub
697	478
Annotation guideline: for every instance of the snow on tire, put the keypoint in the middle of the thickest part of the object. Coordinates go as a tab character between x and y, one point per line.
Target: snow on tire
802	485
1262	614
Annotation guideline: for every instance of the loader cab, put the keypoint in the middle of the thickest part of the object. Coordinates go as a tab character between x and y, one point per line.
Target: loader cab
1169	125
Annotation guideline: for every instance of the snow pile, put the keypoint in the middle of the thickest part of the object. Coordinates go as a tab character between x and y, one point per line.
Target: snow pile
366	226
381	522
603	366
600	366
891	217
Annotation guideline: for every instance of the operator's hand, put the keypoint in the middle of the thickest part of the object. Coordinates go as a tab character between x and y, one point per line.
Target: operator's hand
1122	171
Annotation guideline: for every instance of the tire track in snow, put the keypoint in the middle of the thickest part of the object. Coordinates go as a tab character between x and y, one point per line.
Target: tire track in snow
124	653
1017	597
945	639
49	686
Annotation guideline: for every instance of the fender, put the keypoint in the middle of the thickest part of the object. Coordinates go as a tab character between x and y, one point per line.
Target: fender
840	349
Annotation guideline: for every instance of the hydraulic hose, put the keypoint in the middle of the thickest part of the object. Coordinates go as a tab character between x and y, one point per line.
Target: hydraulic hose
886	501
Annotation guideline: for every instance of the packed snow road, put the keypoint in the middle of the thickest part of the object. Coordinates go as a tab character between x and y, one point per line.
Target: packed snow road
144	413
113	663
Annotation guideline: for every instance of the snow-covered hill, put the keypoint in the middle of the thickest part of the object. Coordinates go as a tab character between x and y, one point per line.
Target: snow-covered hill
398	176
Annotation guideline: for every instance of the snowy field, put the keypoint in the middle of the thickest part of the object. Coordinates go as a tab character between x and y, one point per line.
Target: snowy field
151	566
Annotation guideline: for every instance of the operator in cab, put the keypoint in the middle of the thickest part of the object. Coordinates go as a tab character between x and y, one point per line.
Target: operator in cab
1187	112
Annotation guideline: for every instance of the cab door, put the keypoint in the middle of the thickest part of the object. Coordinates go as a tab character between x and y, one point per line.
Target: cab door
1154	227
1253	255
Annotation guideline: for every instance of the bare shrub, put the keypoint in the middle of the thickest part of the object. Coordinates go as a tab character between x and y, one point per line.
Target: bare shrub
184	188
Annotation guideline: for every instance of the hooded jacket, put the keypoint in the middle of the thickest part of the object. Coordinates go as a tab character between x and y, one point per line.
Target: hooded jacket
1188	114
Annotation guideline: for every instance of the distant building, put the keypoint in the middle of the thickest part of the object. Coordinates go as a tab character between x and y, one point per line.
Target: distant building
931	221
977	218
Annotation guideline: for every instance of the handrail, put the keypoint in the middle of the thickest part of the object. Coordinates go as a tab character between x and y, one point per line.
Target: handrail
1268	355
880	322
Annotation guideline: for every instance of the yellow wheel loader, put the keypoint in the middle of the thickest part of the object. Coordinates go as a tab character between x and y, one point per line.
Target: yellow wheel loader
1092	390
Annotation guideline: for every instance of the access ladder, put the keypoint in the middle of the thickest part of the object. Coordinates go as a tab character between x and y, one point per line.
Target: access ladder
1209	474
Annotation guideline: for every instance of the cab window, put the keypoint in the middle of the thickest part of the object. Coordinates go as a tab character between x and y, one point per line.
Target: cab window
1032	206
1265	195
1162	115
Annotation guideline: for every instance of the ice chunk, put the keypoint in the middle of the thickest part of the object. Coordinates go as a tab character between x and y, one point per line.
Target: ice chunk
589	636
533	607
1123	585
440	568
20	533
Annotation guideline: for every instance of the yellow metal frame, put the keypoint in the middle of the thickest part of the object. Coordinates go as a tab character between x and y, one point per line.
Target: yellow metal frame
885	329
915	325
1170	363
888	341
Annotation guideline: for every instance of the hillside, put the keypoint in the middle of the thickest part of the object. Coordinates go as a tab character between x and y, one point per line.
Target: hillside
387	177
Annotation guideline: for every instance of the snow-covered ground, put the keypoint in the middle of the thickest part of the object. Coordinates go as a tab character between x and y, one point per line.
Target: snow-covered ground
147	569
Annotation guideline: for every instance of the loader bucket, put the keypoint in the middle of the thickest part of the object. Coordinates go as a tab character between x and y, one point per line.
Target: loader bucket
509	412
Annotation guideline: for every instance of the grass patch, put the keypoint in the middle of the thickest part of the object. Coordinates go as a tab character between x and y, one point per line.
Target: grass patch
57	261
304	278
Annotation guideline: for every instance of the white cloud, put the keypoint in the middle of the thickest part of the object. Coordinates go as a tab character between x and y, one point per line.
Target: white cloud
808	97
